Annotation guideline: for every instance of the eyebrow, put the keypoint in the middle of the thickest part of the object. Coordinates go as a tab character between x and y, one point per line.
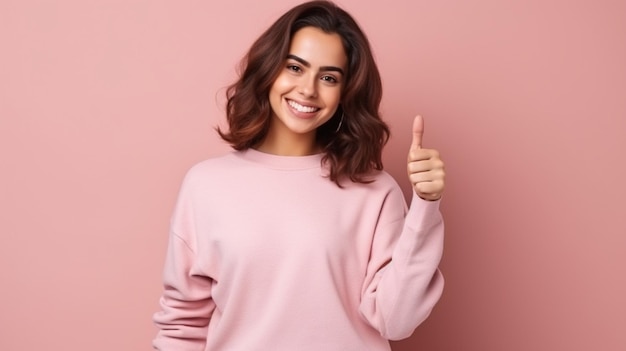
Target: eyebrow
307	64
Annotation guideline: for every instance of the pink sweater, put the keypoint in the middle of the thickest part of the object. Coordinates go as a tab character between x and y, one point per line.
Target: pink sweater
267	254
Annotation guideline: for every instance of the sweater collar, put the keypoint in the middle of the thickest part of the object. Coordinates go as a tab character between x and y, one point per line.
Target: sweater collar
282	162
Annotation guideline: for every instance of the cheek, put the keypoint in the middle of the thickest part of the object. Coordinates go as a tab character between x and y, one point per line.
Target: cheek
333	97
281	85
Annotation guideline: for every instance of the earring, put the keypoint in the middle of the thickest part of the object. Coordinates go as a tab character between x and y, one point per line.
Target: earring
340	122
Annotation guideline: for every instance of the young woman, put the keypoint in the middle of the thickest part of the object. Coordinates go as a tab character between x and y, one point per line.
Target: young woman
298	240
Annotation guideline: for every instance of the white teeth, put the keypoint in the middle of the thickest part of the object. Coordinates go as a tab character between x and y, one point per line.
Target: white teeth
301	108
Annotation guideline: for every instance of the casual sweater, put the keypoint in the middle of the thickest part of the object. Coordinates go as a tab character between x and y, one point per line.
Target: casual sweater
266	253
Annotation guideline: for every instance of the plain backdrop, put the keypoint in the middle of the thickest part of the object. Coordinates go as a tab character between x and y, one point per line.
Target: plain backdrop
105	104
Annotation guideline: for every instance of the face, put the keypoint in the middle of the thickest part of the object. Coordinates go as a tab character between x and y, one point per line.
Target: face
307	91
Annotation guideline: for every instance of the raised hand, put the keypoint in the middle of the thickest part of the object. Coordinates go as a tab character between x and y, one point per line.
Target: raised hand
424	166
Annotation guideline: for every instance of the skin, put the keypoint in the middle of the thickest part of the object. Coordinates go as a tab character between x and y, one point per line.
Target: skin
424	166
313	77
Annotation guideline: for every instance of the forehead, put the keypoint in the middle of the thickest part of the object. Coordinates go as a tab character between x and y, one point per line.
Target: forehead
318	47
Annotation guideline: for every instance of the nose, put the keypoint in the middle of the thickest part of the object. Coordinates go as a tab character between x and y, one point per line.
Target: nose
307	86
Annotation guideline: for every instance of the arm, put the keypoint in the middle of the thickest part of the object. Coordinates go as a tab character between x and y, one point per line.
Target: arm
403	282
186	303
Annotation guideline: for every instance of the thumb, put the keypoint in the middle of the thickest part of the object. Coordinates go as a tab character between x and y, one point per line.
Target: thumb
418	132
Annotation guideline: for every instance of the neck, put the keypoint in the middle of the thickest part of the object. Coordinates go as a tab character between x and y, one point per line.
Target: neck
289	144
285	148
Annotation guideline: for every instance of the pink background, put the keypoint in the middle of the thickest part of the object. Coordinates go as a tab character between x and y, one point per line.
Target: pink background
105	104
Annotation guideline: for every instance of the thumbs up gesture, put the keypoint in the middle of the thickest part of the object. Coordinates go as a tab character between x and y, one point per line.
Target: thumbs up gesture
424	167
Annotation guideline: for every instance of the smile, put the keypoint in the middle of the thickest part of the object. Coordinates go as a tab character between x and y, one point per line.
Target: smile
301	108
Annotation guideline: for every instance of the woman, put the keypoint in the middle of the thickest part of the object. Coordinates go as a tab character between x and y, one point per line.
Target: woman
298	240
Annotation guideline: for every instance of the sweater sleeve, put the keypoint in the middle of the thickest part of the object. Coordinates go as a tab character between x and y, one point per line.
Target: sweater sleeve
186	303
403	282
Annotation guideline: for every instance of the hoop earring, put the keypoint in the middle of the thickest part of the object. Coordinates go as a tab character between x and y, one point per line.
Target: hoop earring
340	123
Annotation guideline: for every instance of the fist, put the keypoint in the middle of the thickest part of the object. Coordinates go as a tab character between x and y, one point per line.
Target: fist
424	166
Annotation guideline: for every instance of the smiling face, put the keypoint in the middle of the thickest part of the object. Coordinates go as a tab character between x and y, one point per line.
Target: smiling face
306	92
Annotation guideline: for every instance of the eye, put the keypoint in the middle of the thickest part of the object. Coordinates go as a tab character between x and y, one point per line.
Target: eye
294	68
329	79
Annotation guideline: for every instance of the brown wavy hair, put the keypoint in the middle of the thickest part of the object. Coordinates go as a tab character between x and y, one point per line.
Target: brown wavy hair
352	151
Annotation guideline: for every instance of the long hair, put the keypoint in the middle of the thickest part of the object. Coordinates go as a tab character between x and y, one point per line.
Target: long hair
353	150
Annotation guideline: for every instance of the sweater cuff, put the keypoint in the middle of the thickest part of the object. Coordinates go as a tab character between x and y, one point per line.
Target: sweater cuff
422	213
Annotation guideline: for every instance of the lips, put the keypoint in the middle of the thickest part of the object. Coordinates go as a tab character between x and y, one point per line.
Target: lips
302	108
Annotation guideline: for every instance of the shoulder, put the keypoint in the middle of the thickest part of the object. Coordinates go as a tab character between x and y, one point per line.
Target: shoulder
210	164
390	190
386	179
382	181
381	188
218	164
381	197
211	169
